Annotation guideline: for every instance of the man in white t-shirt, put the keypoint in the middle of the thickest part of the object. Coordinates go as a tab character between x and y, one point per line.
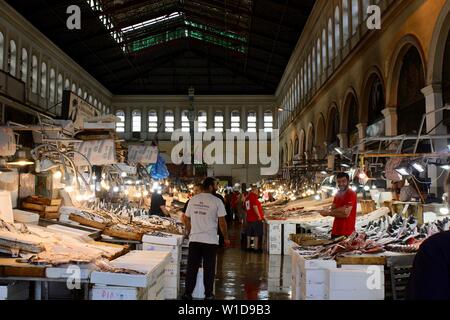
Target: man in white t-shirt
202	214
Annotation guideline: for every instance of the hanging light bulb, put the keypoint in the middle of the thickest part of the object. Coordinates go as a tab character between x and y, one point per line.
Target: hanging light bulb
115	189
366	188
362	175
123	174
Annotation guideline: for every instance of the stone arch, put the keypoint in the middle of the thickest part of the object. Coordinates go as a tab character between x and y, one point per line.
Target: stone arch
320	137
310	139
350	118
296	145
333	124
372	102
437	46
302	142
395	64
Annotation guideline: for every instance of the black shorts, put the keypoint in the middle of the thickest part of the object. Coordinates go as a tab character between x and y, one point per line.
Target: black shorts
255	229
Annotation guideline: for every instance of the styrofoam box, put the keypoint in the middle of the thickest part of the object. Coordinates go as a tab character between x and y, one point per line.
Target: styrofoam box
315	263
174	250
14	290
155	289
171	239
172	282
350	280
170	293
367	268
356	294
275	248
313	291
149	262
99	292
21	216
64	272
314	276
172	269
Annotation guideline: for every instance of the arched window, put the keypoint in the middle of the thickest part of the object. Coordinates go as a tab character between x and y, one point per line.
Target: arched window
235	121
2	50
90	99
355	16
136	121
43	80
34	74
251	121
12	58
52	85
268	121
24	66
324	50
345	21
309	73
85	95
80	92
337	30
152	121
305	79
313	63
318	58
218	121
67	84
185	124
365	5
120	126
169	121
60	88
301	85
95	103
330	41
74	88
202	121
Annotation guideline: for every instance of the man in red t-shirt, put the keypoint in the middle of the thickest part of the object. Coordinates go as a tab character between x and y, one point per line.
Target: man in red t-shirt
343	208
255	218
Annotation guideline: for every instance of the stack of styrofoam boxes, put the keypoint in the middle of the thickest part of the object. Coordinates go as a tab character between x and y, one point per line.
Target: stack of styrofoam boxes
288	229
356	282
310	278
280	273
275	237
15	291
120	286
167	243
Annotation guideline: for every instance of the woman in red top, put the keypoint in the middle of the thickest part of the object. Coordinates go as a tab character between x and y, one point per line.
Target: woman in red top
255	218
343	208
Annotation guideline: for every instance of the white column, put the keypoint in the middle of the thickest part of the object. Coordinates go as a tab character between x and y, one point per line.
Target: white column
343	140
433	101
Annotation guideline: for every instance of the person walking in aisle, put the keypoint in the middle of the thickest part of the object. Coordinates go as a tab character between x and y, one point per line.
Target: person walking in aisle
255	218
204	213
197	189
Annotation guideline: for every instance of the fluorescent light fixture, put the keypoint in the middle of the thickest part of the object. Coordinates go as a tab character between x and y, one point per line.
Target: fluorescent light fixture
418	167
445	167
444	211
345	165
374	187
323	172
123	174
339	150
402	171
366	188
280	109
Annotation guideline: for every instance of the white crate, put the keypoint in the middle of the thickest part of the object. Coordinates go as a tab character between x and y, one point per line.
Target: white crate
351	280
174	250
99	292
167	239
356	294
315	263
170	293
14	291
172	282
314	276
172	269
313	291
361	267
64	272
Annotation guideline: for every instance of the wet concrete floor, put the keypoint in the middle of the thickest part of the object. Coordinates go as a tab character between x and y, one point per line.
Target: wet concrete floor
243	275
